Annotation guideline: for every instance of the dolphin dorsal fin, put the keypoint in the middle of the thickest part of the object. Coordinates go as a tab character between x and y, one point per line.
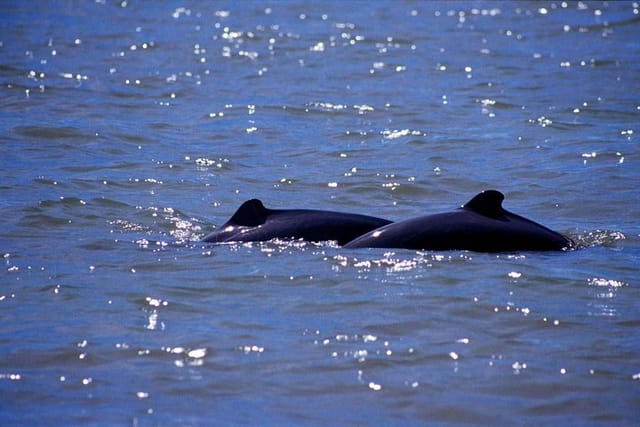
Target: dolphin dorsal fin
487	203
251	213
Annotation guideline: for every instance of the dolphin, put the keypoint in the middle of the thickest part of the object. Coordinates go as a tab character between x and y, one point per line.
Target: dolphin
481	225
253	222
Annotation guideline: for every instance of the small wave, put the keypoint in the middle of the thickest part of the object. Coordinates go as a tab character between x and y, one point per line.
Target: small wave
280	245
395	263
157	227
605	238
324	106
50	132
398	133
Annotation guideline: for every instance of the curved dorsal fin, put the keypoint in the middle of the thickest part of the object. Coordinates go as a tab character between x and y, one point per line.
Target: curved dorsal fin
251	213
487	203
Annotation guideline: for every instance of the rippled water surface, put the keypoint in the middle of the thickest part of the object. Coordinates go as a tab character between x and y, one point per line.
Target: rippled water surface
131	129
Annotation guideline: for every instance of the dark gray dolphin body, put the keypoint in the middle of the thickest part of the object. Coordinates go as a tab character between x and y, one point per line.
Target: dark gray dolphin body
253	222
481	225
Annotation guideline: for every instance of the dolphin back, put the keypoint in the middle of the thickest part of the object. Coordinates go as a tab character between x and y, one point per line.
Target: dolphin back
481	225
254	222
251	213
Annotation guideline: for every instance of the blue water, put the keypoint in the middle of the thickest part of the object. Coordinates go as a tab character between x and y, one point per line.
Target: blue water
131	129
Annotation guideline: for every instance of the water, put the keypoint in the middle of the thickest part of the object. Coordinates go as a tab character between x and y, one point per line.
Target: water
131	129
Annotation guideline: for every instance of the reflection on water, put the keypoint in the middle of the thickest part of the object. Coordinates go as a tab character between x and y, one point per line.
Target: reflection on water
604	291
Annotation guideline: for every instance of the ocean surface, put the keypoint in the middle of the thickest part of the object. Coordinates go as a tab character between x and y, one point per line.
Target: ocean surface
130	129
